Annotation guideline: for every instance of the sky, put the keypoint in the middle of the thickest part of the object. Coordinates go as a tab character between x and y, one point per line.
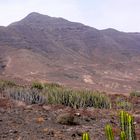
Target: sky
123	15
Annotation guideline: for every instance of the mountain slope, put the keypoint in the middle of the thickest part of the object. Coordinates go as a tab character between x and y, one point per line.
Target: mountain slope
57	50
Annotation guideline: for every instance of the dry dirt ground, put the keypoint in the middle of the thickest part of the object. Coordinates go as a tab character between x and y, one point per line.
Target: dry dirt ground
19	121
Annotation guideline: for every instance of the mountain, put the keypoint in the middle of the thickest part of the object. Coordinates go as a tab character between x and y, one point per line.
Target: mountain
52	49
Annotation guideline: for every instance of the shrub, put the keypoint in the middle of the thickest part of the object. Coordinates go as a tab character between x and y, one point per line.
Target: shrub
135	94
52	85
37	85
125	105
5	84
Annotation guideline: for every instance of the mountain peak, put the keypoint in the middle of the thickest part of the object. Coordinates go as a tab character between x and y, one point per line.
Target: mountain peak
35	14
33	17
36	20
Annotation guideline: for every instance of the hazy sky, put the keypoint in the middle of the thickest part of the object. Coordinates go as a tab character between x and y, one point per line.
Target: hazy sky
123	15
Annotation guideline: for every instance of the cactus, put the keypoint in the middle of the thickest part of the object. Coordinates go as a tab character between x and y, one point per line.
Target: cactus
109	132
127	125
122	121
122	136
85	136
131	129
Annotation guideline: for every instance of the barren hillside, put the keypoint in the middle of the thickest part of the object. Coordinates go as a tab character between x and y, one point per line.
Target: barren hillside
56	50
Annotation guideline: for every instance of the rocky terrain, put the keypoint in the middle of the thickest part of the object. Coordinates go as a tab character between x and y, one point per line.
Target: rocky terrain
51	49
22	121
38	112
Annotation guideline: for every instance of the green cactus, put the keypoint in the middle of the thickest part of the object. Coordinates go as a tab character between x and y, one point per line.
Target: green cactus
85	136
129	119
127	128
109	132
127	125
122	136
122	121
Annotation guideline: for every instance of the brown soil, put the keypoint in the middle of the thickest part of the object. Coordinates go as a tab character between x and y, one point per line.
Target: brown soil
19	121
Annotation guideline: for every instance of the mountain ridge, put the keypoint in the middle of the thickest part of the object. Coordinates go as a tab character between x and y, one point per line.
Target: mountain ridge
70	53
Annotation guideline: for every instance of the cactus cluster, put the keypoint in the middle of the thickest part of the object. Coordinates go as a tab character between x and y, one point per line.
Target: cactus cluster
109	132
77	99
127	125
29	96
40	93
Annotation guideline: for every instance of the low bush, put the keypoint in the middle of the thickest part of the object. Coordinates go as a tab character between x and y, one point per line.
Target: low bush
125	105
135	94
37	85
50	86
5	84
